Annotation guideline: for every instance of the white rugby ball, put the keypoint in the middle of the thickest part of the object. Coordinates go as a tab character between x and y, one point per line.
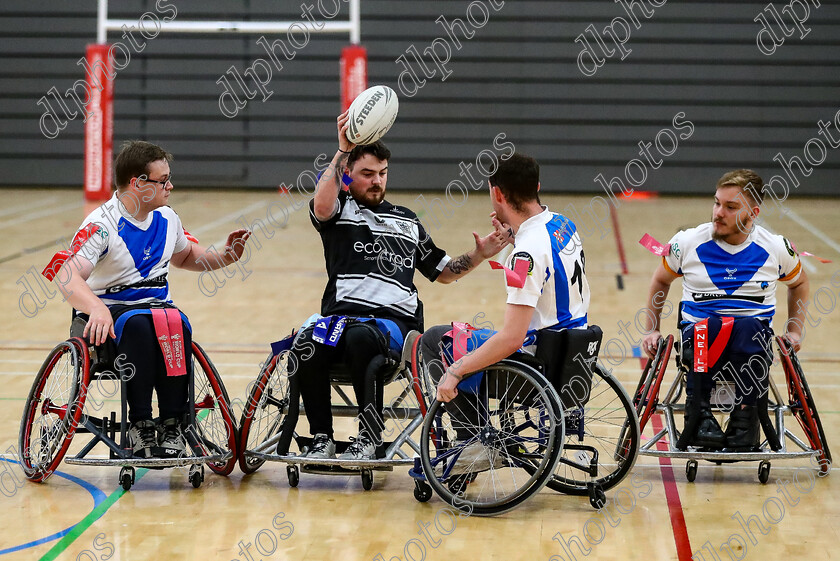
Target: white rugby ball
371	114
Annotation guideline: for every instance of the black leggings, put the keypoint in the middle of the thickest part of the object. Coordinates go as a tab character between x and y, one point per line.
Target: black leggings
143	355
358	346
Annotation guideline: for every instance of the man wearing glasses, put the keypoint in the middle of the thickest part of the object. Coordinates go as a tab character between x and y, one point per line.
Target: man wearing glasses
115	276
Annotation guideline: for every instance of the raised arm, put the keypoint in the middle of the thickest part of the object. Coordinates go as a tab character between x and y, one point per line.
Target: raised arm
329	185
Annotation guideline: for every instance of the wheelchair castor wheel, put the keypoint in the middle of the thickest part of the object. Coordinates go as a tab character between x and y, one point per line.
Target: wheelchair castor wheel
127	477
367	479
597	497
691	470
422	491
293	474
196	476
764	471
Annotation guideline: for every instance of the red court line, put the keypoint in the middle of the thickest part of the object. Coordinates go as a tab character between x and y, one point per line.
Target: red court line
673	496
622	257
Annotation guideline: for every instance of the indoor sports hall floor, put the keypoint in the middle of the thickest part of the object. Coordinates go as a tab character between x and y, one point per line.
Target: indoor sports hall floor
661	516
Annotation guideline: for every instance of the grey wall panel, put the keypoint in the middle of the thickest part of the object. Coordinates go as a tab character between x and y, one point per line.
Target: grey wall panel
518	76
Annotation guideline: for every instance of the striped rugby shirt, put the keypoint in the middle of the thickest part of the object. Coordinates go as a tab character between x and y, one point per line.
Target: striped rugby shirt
720	279
371	255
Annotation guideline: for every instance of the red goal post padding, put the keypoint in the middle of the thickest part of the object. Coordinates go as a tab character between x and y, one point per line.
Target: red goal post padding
99	126
353	74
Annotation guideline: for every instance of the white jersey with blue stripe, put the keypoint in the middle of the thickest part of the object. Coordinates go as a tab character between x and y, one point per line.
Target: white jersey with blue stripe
125	252
556	285
720	279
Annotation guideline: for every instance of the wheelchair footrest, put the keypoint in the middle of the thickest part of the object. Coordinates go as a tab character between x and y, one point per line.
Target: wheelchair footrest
152	463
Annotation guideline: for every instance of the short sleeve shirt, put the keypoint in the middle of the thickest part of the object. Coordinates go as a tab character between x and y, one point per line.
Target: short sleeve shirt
556	284
130	258
720	279
371	254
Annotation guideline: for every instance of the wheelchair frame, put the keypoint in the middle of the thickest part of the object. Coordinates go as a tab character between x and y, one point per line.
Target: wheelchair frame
66	415
560	436
273	396
800	404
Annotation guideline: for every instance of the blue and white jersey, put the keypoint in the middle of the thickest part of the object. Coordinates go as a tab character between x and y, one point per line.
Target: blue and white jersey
720	279
556	284
130	258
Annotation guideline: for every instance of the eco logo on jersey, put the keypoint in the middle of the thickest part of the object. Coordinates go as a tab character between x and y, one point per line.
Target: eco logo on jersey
790	248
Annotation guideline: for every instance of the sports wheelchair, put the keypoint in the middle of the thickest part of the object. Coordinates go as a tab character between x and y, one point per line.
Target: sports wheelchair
55	413
799	403
273	409
577	433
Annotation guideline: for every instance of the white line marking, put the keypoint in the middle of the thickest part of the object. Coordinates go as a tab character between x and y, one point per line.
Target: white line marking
40	214
814	230
40	203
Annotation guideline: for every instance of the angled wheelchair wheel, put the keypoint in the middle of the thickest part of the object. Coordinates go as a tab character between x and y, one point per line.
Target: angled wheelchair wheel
802	404
54	409
214	423
264	412
602	435
507	456
646	395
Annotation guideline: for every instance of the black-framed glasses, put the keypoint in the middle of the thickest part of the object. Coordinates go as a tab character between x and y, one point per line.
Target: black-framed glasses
162	183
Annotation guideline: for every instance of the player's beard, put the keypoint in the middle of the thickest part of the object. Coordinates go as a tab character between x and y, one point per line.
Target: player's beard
373	196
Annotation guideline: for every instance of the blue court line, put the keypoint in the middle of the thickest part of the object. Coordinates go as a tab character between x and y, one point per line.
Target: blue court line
98	498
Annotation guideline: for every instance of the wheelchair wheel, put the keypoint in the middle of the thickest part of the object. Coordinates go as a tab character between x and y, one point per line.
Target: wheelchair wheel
802	403
647	392
54	409
214	423
265	410
606	424
510	453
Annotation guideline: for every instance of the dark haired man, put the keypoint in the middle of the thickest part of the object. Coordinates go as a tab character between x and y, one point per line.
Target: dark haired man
730	267
552	295
372	249
116	277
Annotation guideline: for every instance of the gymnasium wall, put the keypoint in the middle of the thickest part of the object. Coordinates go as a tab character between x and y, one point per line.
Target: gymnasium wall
692	73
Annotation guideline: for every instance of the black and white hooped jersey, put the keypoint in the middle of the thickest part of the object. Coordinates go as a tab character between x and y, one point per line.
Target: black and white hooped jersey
555	284
371	255
131	258
720	279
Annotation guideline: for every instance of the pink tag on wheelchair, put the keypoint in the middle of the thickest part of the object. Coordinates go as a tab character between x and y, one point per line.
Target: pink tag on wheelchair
515	278
653	246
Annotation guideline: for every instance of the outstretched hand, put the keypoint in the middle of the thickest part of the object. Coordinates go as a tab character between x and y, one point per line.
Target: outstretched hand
504	229
489	245
235	245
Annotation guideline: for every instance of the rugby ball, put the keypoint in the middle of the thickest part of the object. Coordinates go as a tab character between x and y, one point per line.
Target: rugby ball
371	114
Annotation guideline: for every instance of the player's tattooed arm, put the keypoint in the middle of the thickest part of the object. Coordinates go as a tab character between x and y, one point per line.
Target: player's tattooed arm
460	265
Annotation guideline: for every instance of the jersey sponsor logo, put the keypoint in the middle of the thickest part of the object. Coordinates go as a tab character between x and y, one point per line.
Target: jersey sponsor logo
730	274
675	249
378	250
764	285
524	255
147	253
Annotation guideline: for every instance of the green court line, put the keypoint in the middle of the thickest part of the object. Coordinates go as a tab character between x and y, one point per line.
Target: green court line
99	511
88	520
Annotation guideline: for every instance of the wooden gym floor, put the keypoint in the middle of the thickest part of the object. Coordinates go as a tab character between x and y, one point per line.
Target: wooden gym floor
658	515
